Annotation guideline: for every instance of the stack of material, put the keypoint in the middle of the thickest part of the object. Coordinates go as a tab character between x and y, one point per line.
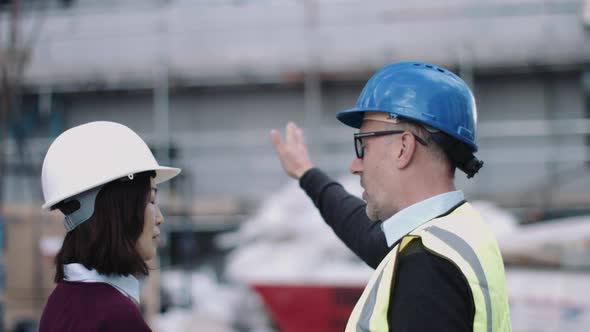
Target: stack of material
287	242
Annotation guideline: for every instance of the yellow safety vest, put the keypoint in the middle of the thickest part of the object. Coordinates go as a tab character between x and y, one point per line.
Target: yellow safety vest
465	240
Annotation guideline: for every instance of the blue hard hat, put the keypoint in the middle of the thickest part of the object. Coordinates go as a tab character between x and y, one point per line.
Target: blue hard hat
420	92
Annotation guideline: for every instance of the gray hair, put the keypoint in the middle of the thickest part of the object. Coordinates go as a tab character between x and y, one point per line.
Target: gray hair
435	150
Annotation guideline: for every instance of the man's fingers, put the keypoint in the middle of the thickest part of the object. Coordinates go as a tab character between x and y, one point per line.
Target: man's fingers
291	133
295	134
275	138
299	136
291	150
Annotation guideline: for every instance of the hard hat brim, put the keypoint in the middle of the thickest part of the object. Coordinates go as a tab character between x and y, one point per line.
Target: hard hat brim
163	174
354	117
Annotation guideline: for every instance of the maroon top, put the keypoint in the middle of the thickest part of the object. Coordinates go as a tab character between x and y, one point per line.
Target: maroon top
92	307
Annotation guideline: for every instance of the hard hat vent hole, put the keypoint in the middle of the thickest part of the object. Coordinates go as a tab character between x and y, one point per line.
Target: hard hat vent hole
442	71
417	64
428	66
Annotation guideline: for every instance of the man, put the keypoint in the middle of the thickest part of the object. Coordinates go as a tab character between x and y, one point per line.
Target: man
438	266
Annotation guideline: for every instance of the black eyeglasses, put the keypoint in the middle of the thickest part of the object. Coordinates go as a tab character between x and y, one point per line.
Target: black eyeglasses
358	139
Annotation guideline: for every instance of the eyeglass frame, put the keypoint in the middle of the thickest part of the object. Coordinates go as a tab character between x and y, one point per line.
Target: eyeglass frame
359	148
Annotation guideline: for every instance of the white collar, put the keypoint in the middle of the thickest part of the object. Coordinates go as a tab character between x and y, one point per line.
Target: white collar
128	286
410	218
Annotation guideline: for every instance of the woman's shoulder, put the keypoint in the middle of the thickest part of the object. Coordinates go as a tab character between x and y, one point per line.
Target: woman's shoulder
96	295
123	317
90	306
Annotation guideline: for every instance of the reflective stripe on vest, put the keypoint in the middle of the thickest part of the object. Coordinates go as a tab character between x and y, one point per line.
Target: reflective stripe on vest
463	248
364	320
450	237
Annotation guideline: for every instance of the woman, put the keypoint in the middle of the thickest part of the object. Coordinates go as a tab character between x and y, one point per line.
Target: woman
103	178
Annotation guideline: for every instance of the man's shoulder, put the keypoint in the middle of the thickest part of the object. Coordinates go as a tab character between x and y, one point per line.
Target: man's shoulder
425	269
429	292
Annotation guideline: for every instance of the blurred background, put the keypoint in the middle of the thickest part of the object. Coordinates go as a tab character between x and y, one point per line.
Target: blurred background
204	81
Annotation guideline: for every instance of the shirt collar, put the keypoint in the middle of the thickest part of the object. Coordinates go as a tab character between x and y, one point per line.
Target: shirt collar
128	286
410	218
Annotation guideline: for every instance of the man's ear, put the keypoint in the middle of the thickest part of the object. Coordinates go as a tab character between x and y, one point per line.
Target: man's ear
406	151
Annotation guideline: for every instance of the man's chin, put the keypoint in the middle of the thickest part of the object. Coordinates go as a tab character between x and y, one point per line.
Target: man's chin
371	214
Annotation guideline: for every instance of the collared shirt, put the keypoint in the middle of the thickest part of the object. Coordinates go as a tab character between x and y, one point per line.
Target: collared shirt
412	217
128	286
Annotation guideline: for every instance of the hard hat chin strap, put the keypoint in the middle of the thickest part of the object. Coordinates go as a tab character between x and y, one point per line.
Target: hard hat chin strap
460	155
86	210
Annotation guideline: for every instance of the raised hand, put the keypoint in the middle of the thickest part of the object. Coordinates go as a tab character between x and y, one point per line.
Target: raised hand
292	151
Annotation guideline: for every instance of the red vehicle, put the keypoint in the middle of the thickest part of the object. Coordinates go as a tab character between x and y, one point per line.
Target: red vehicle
297	308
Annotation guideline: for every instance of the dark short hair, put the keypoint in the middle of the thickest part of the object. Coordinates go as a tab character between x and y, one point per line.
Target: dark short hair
106	241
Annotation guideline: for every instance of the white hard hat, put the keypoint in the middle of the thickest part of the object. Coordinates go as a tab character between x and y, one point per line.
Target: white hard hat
93	154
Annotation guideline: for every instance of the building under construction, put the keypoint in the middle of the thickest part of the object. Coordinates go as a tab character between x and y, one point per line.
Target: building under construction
205	81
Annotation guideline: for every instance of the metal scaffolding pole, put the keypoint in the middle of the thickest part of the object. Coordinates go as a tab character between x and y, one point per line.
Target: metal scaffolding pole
161	118
312	88
161	114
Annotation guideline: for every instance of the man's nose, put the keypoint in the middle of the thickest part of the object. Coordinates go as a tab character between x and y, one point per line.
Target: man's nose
356	167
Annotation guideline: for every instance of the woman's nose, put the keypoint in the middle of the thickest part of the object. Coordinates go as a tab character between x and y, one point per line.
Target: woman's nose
159	216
